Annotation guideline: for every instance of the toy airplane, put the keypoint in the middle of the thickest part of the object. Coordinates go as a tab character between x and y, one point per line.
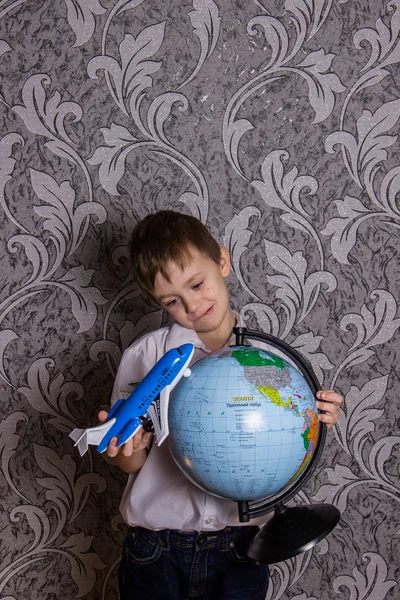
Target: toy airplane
149	400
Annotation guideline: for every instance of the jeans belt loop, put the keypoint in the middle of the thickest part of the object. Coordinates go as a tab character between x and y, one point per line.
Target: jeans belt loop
164	537
226	537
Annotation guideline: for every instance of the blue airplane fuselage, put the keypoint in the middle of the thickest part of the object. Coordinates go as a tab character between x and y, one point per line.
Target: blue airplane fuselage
127	412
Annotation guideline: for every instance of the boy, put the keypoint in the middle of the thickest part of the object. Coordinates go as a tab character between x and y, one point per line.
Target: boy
181	541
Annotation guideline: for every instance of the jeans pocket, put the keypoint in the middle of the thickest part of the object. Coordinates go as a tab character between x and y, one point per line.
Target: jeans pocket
142	547
239	547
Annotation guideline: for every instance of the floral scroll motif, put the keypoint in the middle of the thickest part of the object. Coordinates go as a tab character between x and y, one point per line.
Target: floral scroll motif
374	585
366	152
80	17
315	70
128	82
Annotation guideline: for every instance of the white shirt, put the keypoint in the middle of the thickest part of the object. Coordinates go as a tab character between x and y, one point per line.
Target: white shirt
160	496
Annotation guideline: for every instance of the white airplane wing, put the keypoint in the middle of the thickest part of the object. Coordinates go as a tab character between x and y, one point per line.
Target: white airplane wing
158	410
158	413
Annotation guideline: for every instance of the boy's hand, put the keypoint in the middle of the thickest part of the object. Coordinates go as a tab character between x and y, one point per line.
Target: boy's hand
330	402
138	442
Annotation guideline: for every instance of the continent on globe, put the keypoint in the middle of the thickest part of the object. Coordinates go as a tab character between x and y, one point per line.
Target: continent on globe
244	425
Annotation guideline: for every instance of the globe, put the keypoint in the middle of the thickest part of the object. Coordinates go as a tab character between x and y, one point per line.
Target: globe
244	425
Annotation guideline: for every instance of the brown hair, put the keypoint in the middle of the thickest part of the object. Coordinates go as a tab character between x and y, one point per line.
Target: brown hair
167	236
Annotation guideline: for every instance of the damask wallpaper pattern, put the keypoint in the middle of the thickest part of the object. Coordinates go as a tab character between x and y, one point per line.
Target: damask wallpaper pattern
274	122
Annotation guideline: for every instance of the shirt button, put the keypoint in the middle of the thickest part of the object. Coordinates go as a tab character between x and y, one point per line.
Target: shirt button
207	521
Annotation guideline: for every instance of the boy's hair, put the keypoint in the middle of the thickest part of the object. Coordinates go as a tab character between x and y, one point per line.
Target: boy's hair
167	236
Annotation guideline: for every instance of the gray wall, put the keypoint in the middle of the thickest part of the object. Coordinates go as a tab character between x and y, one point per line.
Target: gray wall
277	124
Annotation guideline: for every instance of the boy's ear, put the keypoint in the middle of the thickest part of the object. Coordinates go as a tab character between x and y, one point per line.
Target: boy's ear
225	261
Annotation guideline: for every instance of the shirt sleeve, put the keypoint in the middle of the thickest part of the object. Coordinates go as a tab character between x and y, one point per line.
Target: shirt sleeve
136	362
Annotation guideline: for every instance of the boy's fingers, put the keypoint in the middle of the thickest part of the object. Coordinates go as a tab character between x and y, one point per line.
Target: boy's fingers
330	396
137	442
146	436
127	448
112	449
102	416
139	439
328	407
327	419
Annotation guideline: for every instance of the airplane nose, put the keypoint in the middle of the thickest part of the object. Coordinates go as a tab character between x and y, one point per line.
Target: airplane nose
185	349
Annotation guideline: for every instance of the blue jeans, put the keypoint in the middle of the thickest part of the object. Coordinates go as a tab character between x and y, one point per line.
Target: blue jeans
177	565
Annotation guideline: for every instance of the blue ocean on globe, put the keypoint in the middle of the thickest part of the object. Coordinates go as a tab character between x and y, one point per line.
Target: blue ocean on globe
244	424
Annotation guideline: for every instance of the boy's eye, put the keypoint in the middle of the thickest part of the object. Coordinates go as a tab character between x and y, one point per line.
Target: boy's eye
198	285
171	303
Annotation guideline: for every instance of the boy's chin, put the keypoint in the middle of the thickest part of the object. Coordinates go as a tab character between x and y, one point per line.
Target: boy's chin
212	326
200	327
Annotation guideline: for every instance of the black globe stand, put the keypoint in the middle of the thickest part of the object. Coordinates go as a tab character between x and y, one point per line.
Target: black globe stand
292	529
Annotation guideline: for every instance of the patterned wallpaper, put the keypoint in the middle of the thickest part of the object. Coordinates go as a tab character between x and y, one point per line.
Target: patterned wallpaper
276	123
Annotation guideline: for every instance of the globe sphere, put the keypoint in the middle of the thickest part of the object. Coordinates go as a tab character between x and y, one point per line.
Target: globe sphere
244	424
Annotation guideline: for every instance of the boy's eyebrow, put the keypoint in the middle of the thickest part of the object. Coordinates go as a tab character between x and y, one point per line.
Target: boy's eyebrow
187	283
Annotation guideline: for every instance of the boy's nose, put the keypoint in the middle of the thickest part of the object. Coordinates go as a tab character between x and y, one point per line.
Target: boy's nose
192	306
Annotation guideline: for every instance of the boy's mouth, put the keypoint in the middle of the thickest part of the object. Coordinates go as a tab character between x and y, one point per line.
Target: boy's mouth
208	312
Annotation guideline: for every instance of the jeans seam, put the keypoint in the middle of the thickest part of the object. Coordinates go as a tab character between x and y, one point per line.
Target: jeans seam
194	589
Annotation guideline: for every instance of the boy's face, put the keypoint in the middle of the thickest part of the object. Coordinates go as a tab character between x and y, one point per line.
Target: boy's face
196	296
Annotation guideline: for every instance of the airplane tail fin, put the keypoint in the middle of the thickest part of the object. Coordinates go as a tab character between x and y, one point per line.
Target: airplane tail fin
92	436
81	440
